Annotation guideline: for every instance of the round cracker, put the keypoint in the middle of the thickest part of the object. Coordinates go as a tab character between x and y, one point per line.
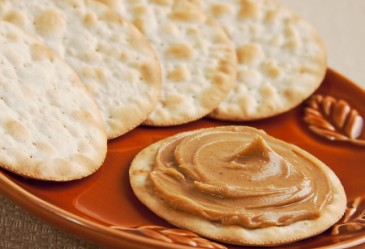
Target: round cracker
197	57
281	58
51	128
143	188
111	56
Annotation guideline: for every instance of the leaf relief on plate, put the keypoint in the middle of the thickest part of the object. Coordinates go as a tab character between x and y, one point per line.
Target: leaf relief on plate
353	220
334	119
172	235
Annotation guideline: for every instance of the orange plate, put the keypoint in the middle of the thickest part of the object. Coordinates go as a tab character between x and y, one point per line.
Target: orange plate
102	207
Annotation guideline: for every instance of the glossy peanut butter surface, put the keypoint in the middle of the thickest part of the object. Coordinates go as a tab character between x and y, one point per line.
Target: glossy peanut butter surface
103	208
240	176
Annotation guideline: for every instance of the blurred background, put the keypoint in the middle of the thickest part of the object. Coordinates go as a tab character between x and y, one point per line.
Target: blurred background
341	23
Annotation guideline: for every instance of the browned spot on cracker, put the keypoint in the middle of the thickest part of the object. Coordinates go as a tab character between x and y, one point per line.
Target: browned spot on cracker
178	74
111	17
92	56
219	38
139	23
290	31
40	52
49	22
225	66
99	73
308	70
220	9
81	159
110	3
136	40
248	9
74	3
248	54
186	16
271	69
192	32
124	56
148	72
139	10
291	94
219	79
16	130
45	147
172	100
12	36
292	44
179	51
271	16
169	29
84	116
94	73
15	17
267	91
161	2
90	19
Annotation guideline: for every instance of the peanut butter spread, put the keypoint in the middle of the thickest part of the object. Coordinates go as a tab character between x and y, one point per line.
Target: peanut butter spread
240	177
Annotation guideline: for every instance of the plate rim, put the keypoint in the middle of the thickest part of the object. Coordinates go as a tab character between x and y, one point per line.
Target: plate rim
53	214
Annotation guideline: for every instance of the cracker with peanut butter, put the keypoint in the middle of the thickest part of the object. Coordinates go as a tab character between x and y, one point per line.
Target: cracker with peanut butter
112	58
281	58
238	185
197	58
51	128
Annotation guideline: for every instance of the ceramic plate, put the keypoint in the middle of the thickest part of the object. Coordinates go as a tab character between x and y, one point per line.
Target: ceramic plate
102	207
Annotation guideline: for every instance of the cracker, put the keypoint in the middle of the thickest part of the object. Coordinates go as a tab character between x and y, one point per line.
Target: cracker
142	185
111	56
51	128
197	57
281	58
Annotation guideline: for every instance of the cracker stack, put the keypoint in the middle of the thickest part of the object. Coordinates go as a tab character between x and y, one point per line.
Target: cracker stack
176	64
112	58
197	57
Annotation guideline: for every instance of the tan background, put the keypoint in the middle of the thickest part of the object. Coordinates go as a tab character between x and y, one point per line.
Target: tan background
341	24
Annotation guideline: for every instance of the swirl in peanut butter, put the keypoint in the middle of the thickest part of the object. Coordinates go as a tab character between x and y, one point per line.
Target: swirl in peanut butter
239	177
